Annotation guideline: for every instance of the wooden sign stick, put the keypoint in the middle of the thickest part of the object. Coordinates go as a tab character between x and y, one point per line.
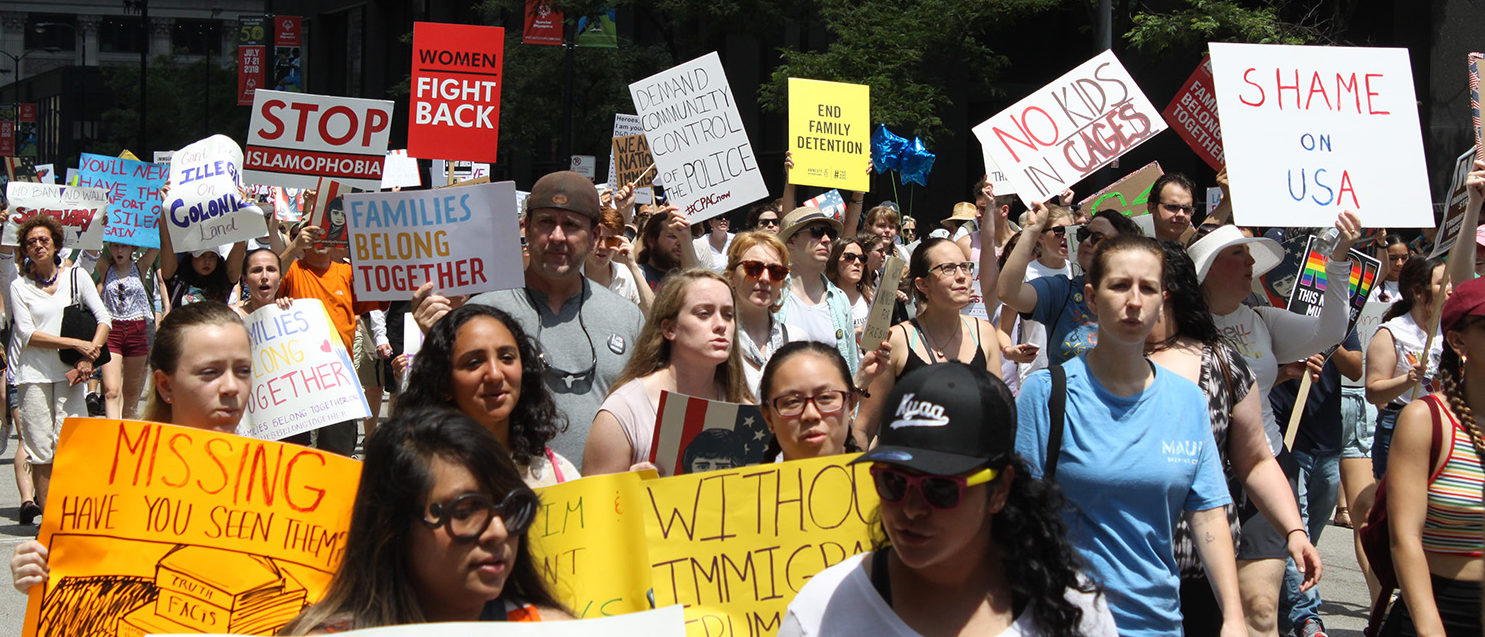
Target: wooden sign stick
641	176
880	320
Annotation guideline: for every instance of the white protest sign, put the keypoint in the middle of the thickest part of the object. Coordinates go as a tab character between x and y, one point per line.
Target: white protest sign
296	138
465	240
1456	200
79	208
400	171
996	177
1310	131
46	173
463	170
303	378
624	126
669	621
1064	131
205	208
705	161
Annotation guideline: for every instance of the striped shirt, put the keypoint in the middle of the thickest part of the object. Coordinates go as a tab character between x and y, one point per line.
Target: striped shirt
1453	523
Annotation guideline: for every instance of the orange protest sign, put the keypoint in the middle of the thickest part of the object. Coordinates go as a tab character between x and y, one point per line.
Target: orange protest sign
159	529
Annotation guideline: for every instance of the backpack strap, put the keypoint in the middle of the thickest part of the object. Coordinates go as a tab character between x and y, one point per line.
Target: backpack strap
1056	406
880	578
1436	445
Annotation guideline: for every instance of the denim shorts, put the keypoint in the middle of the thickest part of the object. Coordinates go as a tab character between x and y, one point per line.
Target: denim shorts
1358	423
1386	421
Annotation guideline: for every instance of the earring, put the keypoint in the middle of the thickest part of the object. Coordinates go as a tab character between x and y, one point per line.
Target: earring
168	400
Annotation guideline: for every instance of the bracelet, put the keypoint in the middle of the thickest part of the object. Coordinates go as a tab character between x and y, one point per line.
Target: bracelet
862	392
1292	532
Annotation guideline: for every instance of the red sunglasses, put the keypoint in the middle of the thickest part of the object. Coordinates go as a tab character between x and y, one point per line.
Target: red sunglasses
940	492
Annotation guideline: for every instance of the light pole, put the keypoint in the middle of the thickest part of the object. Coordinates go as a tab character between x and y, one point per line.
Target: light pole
15	70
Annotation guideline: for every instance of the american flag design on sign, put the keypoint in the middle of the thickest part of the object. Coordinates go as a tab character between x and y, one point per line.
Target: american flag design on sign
1475	103
829	203
695	434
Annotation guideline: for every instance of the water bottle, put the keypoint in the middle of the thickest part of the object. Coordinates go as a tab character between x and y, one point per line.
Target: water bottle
1328	240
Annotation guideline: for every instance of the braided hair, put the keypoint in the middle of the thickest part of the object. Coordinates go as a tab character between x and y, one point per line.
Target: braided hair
1451	386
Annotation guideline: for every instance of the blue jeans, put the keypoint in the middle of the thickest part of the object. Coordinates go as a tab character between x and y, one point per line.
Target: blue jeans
1319	488
1382	443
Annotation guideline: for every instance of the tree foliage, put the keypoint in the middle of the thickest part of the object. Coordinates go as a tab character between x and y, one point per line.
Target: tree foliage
179	111
1261	22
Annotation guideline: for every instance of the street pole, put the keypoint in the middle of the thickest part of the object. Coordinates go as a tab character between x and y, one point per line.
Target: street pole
144	54
570	42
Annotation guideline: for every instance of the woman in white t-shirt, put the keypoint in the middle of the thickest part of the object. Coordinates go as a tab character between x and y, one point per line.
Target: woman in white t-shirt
757	264
1396	369
966	542
846	269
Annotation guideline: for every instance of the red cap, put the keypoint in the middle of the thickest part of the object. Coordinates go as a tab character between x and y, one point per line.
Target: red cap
1468	299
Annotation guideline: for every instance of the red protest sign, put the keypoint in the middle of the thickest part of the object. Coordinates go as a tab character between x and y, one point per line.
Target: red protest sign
455	91
543	23
1193	115
296	138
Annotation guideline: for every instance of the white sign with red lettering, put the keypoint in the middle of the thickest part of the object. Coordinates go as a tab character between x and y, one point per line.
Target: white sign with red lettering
1310	131
464	240
1064	131
78	208
296	138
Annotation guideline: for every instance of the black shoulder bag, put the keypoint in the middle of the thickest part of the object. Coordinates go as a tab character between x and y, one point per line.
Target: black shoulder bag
1056	407
79	322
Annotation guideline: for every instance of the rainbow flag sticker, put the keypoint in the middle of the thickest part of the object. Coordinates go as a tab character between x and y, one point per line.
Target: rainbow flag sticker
1313	275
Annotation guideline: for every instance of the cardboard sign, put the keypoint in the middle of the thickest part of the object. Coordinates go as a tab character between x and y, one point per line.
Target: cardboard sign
661	622
159	529
296	138
693	435
1066	130
328	212
303	378
1311	131
735	546
578	524
466	240
133	189
206	208
285	207
624	126
1455	203
879	322
830	134
633	163
78	208
1193	115
455	102
1474	62
400	170
701	149
1130	195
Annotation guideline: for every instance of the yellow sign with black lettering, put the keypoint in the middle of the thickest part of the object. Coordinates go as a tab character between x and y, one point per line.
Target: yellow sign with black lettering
830	134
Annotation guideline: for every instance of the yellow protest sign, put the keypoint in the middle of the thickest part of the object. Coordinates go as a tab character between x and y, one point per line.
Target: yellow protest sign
589	537
735	546
159	529
830	134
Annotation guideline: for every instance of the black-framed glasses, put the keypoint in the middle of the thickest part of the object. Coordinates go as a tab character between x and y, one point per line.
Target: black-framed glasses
1060	231
948	269
467	516
940	492
1084	234
755	269
848	257
829	401
1175	207
819	231
772	223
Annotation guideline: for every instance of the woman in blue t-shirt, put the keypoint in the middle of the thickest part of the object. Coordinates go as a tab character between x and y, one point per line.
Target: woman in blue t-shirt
1135	452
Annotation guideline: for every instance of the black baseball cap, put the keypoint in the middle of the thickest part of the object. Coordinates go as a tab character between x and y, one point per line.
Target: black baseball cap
946	419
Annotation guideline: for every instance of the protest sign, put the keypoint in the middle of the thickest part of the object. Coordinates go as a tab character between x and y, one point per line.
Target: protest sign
1455	203
1474	62
133	189
624	126
830	134
701	149
1311	131
589	537
46	173
1308	295
1064	131
633	163
296	138
995	176
78	208
1214	198
1193	114
829	202
303	378
661	622
285	207
463	171
455	102
466	240
400	170
879	321
1130	195
737	561
159	529
206	208
693	435
164	156
20	169
328	212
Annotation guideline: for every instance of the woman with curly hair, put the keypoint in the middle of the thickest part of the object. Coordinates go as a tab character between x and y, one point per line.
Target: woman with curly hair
478	359
966	542
687	346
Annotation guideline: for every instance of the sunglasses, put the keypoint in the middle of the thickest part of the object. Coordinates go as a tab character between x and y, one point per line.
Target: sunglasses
940	492
612	242
1060	231
467	516
1173	207
822	231
848	257
754	269
1084	234
773	223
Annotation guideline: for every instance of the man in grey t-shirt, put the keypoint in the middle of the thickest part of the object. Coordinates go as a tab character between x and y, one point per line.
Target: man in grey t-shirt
586	332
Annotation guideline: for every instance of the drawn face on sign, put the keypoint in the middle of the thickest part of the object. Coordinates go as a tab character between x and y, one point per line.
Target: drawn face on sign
453	576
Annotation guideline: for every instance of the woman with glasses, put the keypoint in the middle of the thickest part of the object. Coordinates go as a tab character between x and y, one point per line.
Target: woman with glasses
943	281
808	399
127	298
1055	299
687	347
1129	444
757	265
765	217
847	270
479	360
965	541
438	533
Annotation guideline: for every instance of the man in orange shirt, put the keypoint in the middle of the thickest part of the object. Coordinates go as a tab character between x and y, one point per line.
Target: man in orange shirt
312	271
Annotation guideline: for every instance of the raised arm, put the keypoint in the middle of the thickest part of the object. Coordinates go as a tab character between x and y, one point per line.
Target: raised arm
307	237
789	199
1223	212
168	259
1013	290
235	257
1296	337
1462	255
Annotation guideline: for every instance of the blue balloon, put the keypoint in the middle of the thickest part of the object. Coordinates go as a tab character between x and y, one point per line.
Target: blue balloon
917	162
886	149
